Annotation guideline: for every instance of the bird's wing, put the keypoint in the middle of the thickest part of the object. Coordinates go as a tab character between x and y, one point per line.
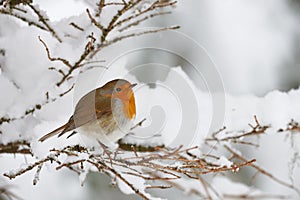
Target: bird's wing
55	132
89	108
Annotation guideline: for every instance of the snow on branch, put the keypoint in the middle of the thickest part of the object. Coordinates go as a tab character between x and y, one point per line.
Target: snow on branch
136	169
226	139
149	166
143	11
16	147
128	16
159	167
257	129
21	10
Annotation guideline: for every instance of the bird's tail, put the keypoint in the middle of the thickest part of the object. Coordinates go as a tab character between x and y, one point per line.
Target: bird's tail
53	133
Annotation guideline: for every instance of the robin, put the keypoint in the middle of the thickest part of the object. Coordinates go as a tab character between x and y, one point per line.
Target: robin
105	113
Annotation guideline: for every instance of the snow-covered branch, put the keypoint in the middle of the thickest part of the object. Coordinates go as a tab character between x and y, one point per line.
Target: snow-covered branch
38	76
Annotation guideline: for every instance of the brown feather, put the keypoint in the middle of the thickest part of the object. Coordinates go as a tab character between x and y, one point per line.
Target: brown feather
52	133
93	106
85	110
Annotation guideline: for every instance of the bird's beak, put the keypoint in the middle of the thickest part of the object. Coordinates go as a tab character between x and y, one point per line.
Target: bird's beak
132	85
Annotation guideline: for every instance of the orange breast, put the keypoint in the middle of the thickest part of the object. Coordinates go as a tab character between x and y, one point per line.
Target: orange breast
129	107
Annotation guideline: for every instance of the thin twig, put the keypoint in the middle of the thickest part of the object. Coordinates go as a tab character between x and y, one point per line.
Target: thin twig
13	175
137	22
24	19
64	61
264	172
16	147
93	20
100	7
153	6
118	39
43	20
100	165
76	26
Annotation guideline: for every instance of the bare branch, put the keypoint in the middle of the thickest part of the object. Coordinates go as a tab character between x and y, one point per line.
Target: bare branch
264	172
118	39
12	175
100	7
43	20
137	22
93	20
100	165
76	26
64	61
255	130
152	7
24	19
17	147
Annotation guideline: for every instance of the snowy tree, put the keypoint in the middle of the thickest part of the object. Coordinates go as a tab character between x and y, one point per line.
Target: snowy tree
191	140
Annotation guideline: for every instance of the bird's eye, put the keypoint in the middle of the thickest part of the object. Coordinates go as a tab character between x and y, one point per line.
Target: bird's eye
118	89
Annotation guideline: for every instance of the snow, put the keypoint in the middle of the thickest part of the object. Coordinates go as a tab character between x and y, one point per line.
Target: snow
7	100
56	13
275	109
177	111
138	182
222	161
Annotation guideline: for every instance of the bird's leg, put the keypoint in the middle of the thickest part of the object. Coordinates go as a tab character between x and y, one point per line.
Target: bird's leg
106	151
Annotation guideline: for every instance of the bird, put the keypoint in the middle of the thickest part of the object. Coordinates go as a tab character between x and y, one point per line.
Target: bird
105	114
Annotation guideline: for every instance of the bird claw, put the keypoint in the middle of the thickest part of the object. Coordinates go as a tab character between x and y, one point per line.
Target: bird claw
106	151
